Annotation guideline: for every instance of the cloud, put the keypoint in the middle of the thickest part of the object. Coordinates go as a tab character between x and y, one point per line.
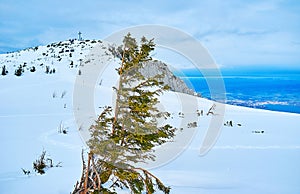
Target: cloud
232	31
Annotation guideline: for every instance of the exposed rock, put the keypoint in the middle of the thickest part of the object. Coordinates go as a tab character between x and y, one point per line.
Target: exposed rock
152	68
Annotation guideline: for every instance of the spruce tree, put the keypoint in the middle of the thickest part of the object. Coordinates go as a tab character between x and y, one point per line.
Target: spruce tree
4	71
32	69
127	133
19	71
47	69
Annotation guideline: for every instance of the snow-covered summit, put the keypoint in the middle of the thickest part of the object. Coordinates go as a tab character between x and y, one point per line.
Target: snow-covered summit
68	53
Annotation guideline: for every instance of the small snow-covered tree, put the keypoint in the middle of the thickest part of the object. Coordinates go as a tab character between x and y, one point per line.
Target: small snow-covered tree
43	163
47	69
4	70
32	69
19	71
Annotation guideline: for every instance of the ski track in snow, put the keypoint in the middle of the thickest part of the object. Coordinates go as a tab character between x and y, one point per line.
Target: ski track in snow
50	137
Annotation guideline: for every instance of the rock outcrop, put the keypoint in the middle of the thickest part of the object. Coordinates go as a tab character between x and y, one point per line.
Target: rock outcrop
152	68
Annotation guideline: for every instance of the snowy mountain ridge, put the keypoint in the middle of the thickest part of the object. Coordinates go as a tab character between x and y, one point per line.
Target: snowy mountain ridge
71	54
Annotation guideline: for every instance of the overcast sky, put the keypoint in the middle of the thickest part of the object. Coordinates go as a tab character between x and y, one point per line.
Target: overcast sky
236	32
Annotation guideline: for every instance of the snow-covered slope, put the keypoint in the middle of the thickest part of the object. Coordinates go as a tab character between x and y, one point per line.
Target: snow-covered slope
259	153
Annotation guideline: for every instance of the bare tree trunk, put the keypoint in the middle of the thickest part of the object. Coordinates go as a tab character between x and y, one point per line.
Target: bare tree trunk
97	174
87	174
90	178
